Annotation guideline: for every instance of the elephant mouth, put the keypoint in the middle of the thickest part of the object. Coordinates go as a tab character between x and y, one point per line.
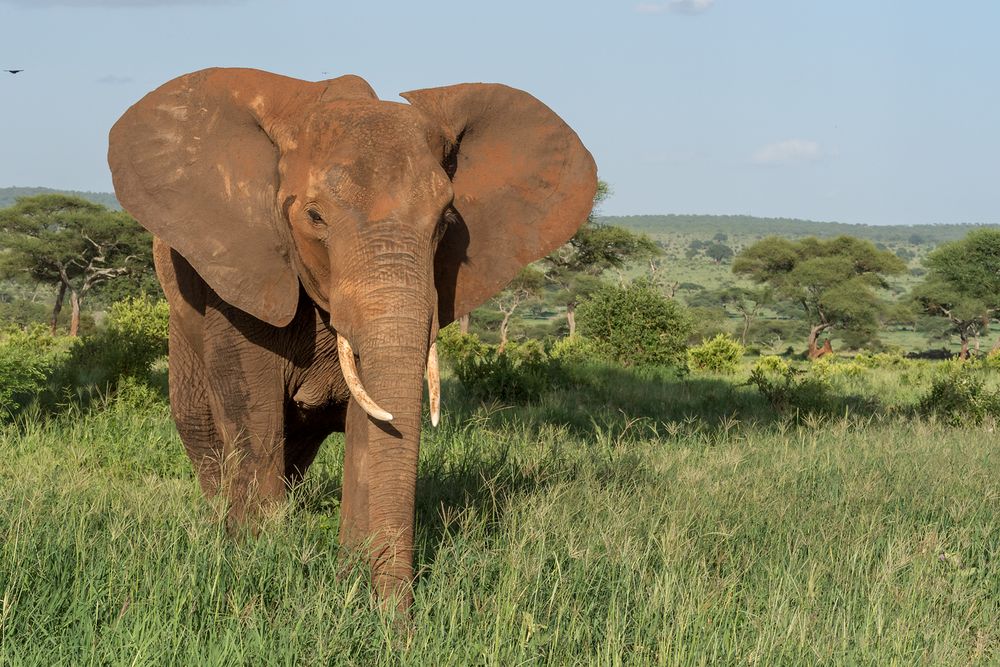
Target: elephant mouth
345	353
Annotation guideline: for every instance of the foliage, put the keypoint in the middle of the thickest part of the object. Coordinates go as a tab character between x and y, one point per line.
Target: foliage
789	390
707	322
9	196
574	269
574	350
881	360
771	364
958	397
515	374
705	226
22	313
721	354
635	324
719	252
71	243
963	283
748	302
992	360
28	359
524	288
134	337
832	281
453	345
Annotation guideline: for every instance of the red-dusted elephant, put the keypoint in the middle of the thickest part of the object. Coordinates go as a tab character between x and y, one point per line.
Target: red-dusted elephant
311	239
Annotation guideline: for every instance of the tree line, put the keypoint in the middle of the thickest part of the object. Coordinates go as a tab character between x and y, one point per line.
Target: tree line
85	251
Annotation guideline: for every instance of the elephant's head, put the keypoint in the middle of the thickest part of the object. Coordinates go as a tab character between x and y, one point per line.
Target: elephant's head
395	218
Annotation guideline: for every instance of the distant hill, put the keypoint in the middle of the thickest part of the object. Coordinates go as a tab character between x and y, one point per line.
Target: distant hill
744	226
9	195
738	227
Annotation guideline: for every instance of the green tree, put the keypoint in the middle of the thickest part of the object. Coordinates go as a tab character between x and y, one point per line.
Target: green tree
832	281
574	269
70	243
963	284
635	324
748	302
526	286
718	252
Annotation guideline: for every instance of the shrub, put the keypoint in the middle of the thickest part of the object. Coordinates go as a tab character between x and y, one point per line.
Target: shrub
636	325
507	375
881	360
992	361
828	367
454	345
27	362
135	336
772	364
788	389
574	349
721	354
958	397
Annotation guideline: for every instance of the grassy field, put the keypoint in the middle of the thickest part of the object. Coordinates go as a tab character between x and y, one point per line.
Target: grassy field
637	519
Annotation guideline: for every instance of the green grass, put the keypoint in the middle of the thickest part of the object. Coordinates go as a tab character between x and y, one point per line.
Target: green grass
639	519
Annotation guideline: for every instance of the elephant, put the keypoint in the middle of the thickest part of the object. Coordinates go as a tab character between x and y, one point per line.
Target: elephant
311	239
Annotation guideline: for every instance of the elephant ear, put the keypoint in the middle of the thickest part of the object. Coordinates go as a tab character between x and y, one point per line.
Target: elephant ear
196	163
523	182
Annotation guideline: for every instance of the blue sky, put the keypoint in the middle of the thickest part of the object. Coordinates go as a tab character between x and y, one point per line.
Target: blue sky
859	111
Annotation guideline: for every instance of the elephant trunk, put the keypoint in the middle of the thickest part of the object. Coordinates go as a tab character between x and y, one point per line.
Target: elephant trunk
392	353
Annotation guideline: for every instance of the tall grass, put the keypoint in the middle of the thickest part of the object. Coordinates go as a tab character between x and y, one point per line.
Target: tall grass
636	519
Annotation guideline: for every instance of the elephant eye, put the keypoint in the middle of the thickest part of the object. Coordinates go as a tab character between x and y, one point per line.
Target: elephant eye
315	216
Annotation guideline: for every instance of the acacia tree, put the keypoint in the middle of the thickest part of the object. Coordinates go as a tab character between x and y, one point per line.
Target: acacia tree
748	302
832	281
525	286
71	243
963	284
718	252
574	268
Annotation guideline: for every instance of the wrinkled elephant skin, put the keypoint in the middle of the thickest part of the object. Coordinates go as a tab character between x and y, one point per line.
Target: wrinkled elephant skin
311	239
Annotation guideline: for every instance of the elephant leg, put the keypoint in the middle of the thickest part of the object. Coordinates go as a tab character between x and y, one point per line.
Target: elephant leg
305	431
300	452
354	523
246	391
192	414
253	469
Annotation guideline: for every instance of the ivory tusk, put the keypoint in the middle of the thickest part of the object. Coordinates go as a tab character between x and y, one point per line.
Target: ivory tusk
350	371
434	384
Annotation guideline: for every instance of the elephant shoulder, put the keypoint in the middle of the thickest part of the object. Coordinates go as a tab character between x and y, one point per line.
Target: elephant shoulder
185	290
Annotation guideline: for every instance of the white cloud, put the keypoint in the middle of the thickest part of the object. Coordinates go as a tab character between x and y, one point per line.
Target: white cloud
675	7
115	3
789	151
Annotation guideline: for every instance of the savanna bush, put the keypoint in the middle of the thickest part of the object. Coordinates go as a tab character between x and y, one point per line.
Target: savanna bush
771	363
574	349
992	361
28	359
881	360
959	396
454	345
636	325
720	354
135	336
516	374
788	389
826	368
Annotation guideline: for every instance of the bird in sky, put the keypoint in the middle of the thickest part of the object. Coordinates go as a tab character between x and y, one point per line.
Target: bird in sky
13	71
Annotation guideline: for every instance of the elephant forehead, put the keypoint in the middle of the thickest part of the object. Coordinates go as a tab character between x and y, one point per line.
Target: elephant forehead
364	127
